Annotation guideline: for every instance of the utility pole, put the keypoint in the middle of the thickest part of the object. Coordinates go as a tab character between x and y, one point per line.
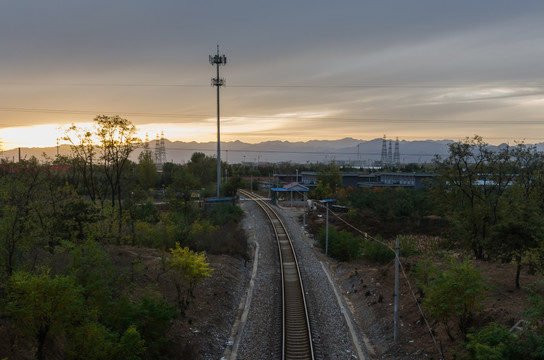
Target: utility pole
218	82
327	231
396	307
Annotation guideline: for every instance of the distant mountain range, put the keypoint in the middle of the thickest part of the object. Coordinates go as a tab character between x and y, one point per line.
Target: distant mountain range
354	151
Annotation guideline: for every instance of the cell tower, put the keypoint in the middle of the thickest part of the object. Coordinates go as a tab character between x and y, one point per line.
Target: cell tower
218	82
384	151
396	155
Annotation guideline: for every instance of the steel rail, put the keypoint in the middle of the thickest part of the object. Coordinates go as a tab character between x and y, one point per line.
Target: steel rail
297	336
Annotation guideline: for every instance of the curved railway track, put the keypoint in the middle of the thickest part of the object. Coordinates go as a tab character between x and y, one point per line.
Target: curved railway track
297	339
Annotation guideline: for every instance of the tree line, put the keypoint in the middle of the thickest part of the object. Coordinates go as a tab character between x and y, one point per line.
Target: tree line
60	290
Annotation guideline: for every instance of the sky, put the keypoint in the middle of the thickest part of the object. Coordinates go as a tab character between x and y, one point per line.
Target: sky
296	70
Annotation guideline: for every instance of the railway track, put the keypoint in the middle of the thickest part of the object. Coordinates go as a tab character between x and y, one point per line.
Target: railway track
296	339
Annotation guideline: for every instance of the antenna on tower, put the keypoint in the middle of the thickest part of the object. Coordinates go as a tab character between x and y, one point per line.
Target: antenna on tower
218	82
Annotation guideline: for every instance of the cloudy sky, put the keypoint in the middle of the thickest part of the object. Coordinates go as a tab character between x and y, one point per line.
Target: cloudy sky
296	70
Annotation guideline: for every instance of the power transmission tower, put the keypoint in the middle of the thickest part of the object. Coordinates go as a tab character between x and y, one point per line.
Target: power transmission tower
162	149
218	82
389	155
157	152
396	156
384	151
146	145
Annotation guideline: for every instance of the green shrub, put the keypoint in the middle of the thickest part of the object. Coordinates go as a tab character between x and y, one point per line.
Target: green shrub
376	251
222	214
342	245
454	293
496	342
493	342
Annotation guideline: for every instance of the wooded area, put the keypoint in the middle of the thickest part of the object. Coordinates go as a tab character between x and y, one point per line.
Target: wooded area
61	289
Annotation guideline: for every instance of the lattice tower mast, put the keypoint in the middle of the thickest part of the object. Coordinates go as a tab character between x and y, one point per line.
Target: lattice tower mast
384	151
389	155
396	156
157	154
162	149
218	82
146	144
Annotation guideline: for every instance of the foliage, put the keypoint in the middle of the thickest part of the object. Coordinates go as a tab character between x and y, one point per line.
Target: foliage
93	341
381	253
389	203
92	268
20	197
493	198
497	342
222	214
188	267
321	191
74	217
147	170
203	168
342	244
453	293
471	182
330	176
376	251
230	187
111	141
493	342
41	305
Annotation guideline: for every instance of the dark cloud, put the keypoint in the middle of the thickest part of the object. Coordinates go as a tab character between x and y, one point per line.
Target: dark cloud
355	59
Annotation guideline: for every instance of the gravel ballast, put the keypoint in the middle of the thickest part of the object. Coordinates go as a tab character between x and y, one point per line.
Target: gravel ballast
261	332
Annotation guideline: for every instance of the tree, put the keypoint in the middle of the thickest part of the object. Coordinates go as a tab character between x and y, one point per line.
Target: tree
203	168
330	176
342	244
520	235
187	269
117	140
470	186
84	150
147	170
21	188
41	305
453	293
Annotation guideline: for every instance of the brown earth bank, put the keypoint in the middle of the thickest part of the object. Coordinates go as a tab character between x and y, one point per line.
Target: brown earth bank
369	287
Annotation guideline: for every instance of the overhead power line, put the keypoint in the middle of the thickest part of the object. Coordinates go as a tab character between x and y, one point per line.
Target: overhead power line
302	86
264	117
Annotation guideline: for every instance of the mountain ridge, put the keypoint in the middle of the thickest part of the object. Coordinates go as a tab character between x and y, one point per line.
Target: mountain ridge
354	151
